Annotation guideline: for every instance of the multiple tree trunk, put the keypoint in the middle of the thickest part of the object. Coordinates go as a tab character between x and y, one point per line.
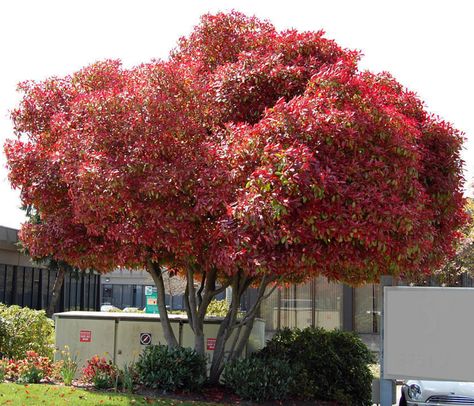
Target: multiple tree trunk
233	330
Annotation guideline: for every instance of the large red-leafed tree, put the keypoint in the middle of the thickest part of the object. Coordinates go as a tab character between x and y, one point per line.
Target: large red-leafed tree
249	158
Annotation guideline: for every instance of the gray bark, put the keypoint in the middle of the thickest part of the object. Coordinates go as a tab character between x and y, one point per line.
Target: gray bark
56	293
155	272
231	323
225	329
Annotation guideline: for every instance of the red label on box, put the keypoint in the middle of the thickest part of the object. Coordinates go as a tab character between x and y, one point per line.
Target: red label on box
211	344
85	336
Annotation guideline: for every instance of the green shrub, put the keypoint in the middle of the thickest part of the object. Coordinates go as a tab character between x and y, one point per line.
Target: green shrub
23	329
335	364
169	369
260	379
217	308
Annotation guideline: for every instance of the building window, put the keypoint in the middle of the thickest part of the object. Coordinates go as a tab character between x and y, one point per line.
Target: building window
269	311
106	294
315	303
367	309
304	314
328	304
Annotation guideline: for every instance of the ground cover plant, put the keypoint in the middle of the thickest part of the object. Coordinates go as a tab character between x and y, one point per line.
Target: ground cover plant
31	369
252	157
100	372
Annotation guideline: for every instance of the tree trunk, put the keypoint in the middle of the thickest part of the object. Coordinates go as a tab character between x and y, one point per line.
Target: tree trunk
219	350
155	272
197	302
225	329
56	293
231	323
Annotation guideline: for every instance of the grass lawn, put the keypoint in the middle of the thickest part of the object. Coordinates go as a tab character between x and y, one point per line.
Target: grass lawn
13	394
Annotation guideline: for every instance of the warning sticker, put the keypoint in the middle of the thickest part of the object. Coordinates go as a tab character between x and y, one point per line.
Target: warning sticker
145	338
85	336
211	344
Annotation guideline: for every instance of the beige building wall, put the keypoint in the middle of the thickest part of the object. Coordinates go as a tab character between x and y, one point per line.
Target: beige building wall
9	250
127	277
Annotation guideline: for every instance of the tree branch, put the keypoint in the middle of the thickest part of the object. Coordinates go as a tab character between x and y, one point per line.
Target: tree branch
201	288
223	287
192	298
260	297
187	306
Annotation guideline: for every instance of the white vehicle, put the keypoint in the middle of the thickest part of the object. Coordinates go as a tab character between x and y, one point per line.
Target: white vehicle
109	308
437	393
132	310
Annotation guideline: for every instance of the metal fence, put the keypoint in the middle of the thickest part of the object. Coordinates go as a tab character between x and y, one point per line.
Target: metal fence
31	287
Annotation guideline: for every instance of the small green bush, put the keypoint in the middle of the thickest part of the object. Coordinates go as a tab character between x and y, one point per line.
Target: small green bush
218	308
335	364
170	369
23	329
259	379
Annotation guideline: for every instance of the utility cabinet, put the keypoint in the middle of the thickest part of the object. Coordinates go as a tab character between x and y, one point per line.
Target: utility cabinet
121	337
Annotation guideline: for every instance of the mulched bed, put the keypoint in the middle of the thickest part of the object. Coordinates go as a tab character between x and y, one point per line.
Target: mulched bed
221	394
212	394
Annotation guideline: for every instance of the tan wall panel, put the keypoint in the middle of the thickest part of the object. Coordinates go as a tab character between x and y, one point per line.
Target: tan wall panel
128	346
68	333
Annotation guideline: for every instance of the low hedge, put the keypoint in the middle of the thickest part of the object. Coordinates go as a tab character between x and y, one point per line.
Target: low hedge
311	364
170	369
260	380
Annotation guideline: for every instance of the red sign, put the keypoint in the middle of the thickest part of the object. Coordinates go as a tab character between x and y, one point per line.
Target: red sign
85	336
211	344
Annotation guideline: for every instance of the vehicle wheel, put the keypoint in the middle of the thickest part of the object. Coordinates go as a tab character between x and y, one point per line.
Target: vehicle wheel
403	401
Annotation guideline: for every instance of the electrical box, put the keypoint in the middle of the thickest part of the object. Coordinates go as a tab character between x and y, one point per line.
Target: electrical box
121	337
85	337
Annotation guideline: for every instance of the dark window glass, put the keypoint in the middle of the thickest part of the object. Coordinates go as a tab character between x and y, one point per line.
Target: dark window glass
106	294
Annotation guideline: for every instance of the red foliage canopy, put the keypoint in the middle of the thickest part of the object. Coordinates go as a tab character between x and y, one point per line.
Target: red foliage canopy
249	149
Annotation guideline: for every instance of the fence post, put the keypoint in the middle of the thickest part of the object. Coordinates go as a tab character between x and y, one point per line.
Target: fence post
385	384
